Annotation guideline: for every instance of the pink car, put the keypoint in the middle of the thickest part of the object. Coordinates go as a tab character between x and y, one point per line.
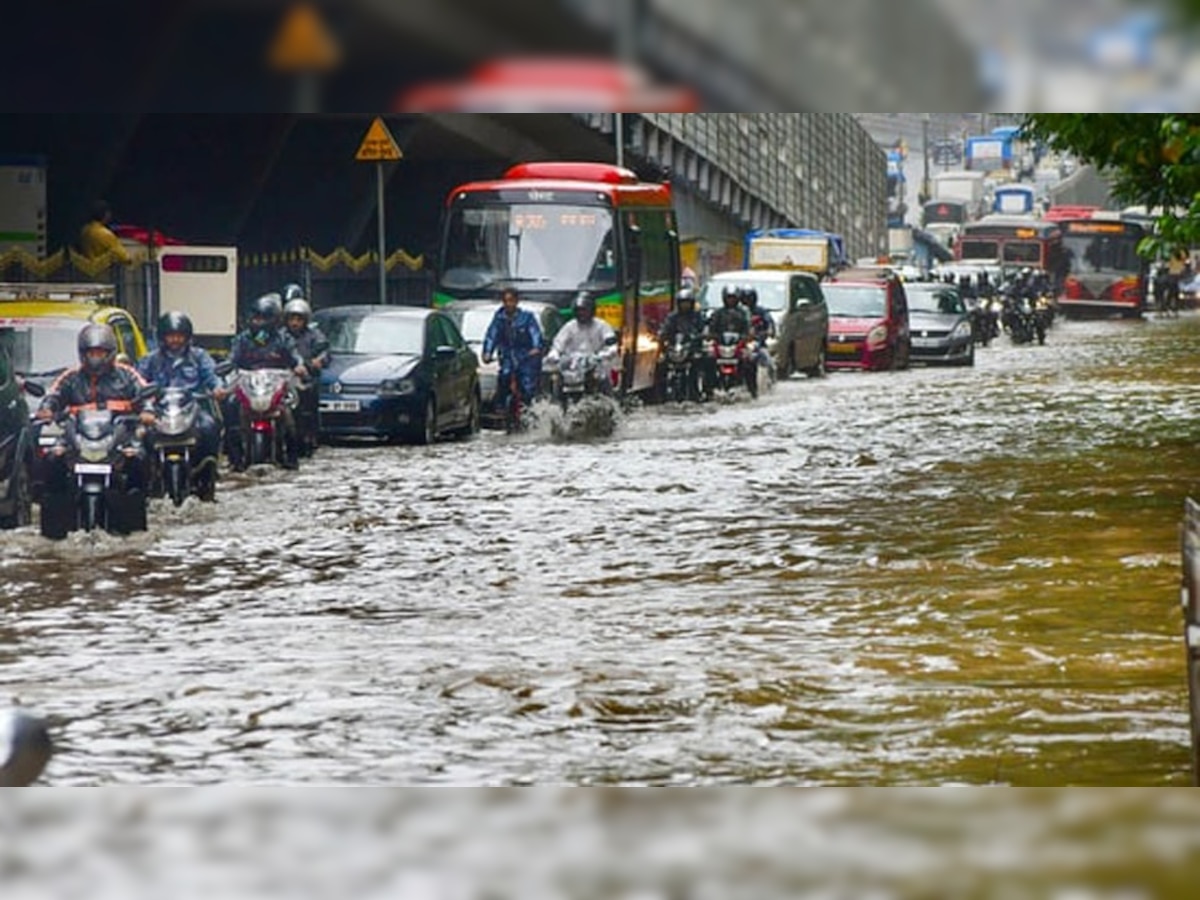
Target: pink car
868	320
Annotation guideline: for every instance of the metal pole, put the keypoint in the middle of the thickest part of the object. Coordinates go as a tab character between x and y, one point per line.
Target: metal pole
626	35
925	154
382	252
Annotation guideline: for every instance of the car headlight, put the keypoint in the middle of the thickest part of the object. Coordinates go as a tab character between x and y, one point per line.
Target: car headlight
877	336
397	387
961	330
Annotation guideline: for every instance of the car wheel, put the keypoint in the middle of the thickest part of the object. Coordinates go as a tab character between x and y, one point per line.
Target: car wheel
20	495
818	370
473	416
970	360
428	432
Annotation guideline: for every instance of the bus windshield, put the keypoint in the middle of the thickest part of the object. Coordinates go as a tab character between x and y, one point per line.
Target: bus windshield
1114	254
545	246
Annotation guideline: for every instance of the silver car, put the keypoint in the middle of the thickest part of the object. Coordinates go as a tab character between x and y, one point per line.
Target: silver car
797	305
473	318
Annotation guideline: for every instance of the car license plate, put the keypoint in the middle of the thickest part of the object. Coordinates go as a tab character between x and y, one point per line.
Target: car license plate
837	347
340	406
93	469
924	342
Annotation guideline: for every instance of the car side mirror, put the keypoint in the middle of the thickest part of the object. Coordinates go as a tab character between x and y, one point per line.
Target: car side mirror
445	351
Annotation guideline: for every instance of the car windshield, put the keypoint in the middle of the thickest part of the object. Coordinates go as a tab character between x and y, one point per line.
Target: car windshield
473	323
935	300
45	348
553	246
373	334
855	301
771	294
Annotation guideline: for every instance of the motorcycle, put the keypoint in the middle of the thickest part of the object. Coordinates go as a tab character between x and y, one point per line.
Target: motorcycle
734	357
574	377
174	448
268	398
683	376
101	480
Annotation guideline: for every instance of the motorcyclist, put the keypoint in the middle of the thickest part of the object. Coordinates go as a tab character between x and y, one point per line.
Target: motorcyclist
310	342
515	337
99	381
730	317
586	334
733	318
686	320
262	345
178	363
762	327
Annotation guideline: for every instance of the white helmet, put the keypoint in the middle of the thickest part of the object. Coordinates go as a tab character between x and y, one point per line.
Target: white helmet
297	307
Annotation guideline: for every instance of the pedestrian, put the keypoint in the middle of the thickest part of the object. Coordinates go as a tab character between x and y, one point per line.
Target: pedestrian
97	239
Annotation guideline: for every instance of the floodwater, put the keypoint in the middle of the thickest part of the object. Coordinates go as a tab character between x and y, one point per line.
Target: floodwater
964	576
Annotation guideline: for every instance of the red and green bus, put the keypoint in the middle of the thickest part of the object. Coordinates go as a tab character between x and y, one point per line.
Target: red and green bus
554	229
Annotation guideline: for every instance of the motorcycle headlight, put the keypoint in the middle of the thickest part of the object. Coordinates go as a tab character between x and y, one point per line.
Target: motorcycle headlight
94	451
173	423
961	330
397	387
260	402
877	336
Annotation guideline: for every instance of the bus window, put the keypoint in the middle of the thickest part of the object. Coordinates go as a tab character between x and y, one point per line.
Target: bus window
1023	252
975	249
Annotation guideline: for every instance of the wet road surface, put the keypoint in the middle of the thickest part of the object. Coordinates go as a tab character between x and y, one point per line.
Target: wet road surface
924	577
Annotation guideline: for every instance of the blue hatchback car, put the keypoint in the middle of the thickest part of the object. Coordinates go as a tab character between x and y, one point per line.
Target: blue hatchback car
397	373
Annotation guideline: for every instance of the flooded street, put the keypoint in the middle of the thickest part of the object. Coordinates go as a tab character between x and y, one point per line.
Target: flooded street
926	577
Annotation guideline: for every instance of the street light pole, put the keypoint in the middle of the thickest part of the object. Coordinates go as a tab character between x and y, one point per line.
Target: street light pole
925	155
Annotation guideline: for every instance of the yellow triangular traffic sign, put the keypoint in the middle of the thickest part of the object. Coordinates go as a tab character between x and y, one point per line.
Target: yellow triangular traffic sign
378	145
303	43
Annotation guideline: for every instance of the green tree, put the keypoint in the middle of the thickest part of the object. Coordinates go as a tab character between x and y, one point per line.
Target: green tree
1153	159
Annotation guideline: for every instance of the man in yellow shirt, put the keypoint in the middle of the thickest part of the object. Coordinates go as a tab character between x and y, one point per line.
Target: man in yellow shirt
97	239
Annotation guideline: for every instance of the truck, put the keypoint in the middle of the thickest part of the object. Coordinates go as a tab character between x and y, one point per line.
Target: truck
988	153
23	204
820	252
961	187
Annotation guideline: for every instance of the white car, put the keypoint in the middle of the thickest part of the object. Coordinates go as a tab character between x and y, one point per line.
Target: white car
473	318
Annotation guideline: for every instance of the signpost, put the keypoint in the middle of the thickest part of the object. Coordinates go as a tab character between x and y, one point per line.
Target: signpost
378	146
305	48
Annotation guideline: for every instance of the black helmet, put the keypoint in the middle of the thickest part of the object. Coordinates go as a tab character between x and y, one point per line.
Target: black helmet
731	293
686	295
173	322
269	308
584	303
265	313
292	291
749	296
97	336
